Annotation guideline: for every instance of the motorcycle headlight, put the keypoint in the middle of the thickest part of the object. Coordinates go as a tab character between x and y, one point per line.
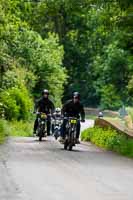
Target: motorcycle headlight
43	116
73	121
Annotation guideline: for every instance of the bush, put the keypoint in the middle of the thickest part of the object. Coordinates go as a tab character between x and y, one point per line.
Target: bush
16	103
4	130
109	139
21	128
15	128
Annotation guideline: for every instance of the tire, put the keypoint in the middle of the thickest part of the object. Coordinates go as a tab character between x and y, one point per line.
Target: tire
71	141
55	134
40	134
40	138
65	145
70	147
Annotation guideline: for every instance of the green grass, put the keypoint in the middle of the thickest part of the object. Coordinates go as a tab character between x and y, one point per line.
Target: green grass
15	128
4	130
21	128
109	139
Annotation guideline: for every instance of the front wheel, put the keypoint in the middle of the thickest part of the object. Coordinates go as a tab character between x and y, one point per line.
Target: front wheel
40	138
70	147
41	133
66	145
56	135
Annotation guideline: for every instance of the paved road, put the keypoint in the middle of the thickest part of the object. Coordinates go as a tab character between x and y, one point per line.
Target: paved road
30	170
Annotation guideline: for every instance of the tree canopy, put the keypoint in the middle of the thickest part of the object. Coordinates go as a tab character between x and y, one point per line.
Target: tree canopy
66	45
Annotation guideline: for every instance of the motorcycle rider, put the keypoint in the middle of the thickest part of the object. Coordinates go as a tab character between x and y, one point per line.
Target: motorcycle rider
44	105
56	115
72	108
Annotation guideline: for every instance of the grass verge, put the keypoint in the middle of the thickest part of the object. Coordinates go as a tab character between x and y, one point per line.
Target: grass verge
4	130
109	139
15	128
21	128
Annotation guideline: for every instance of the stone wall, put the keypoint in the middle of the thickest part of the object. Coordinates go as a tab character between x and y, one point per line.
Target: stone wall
106	124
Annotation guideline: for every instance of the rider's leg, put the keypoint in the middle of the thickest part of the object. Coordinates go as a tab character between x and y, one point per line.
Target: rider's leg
35	125
63	128
78	131
52	128
48	126
63	131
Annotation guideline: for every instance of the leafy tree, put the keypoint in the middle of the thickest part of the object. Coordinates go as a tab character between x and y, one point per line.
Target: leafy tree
16	103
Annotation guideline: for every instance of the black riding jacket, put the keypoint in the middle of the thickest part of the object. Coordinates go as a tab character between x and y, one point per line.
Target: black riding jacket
45	105
72	109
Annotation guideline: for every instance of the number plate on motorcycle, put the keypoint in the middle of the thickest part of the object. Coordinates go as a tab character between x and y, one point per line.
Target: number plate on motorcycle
73	121
43	116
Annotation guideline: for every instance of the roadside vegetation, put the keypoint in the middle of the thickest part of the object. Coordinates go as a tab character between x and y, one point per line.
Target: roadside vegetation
15	128
21	128
109	139
83	45
4	130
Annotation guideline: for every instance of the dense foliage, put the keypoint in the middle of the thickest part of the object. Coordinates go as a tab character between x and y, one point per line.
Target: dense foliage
28	62
109	139
98	42
83	45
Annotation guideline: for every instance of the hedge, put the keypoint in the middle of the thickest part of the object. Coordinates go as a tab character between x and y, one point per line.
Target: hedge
109	139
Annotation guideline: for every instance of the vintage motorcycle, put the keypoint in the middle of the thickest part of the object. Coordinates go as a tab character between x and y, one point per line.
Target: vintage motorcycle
56	127
42	124
70	136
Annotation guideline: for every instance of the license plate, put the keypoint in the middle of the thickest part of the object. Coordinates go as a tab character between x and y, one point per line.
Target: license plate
73	121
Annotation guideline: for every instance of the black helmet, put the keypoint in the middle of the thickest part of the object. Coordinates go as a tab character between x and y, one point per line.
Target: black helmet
45	91
76	95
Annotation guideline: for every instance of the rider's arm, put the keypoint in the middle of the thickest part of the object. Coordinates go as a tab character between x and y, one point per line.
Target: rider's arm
64	109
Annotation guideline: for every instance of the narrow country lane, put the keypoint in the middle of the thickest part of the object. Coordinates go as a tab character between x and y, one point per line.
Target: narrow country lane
32	170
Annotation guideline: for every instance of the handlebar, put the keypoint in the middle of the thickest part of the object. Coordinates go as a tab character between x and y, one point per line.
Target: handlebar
69	118
39	113
61	117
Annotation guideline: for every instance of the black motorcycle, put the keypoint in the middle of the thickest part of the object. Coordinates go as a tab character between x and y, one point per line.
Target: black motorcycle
42	124
70	136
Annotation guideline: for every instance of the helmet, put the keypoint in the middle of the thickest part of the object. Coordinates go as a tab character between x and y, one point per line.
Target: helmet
57	110
76	95
45	91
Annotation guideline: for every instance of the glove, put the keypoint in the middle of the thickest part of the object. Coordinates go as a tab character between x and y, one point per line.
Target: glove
82	120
